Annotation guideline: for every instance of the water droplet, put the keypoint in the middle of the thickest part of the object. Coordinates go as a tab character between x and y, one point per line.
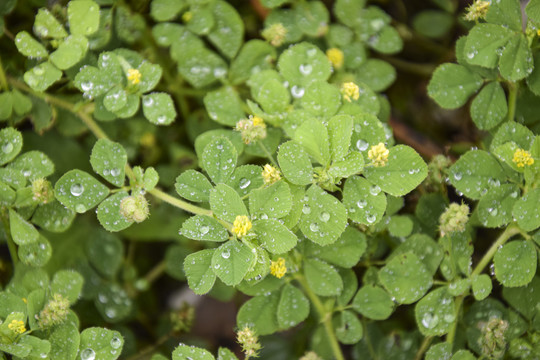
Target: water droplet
324	216
76	189
429	320
88	354
297	92
244	183
306	209
204	230
7	148
148	101
226	254
370	218
449	318
305	69
80	208
115	172
116	342
362	145
314	227
374	190
361	203
458	176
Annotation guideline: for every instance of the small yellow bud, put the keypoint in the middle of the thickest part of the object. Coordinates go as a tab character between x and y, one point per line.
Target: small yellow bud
252	129
278	268
378	154
241	225
134	76
17	326
25	300
148	140
477	10
336	57
350	90
187	16
275	34
270	174
538	32
522	158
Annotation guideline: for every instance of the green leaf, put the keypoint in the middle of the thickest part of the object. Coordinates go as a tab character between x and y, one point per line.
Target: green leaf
70	52
105	253
261	268
7	105
83	17
231	262
226	203
321	99
515	263
352	164
37	253
47	26
165	10
433	23
28	46
274	236
350	285
376	74
21	103
32	165
53	217
435	313
115	99
260	314
202	20
255	55
109	215
324	218
224	106
481	286
202	227
506	13
322	278
512	131
185	352
7	195
273	201
312	17
489	108
463	355
425	248
406	278
293	307
373	302
404	171
483	44
440	351
67	283
273	96
228	33
193	186
65	341
245	179
199	66
524	299
368	131
158	108
79	191
113	302
102	343
345	252
365	202
11	142
42	76
295	164
303	63
339	133
219	159
199	272
226	354
533	10
349	329
400	226
388	41
516	61
526	210
109	160
495	208
21	230
313	136
451	85
93	82
475	172
349	11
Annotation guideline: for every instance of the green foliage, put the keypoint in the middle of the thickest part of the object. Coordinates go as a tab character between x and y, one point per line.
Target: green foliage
295	201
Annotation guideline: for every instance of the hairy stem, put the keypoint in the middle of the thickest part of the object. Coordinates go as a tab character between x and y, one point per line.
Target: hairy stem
180	203
267	153
325	316
423	348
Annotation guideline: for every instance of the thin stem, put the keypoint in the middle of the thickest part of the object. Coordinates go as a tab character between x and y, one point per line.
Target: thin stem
11	244
180	203
452	333
424	70
423	347
150	349
156	272
3	80
267	153
325	316
503	238
512	97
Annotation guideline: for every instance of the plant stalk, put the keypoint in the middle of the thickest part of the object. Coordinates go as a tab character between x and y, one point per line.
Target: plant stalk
3	81
11	244
512	97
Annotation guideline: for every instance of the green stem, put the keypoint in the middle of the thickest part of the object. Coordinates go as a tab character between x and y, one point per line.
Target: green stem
424	70
11	244
267	153
325	316
512	96
156	272
3	80
180	203
452	333
423	347
501	240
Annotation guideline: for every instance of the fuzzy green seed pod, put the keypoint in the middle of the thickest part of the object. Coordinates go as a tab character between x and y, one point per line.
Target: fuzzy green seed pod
42	190
55	311
454	218
134	208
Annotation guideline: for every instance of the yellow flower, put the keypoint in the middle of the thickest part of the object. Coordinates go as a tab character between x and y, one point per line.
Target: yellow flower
275	34
270	174
278	268
134	76
251	129
188	15
336	57
477	10
17	326
522	158
241	225
350	90
378	154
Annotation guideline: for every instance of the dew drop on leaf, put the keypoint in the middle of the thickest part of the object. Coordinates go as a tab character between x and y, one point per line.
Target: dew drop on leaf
76	189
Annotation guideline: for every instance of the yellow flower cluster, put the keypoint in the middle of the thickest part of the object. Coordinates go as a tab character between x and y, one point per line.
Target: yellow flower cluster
378	154
336	57
17	326
134	76
522	158
477	10
350	90
270	174
278	268
241	225
251	129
